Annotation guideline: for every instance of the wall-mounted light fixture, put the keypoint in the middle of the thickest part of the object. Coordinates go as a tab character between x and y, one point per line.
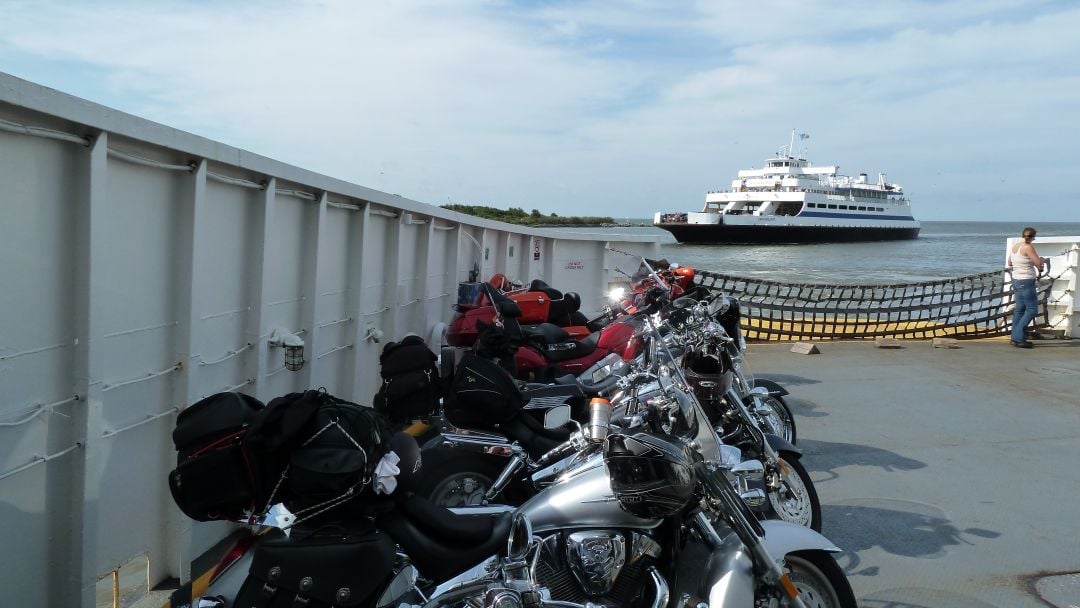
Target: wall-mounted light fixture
293	345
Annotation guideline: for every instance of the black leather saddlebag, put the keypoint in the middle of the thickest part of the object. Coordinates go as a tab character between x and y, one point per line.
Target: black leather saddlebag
329	567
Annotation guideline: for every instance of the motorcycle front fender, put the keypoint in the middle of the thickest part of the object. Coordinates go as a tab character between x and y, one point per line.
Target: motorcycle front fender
728	579
772	387
783	537
779	444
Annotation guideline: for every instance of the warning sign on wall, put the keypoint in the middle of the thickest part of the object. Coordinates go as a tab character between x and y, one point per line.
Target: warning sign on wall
536	249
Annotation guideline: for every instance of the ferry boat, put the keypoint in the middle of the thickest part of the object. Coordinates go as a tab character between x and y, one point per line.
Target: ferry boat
791	200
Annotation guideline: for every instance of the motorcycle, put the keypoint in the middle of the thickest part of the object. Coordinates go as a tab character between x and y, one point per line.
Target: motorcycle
539	303
764	397
711	368
545	351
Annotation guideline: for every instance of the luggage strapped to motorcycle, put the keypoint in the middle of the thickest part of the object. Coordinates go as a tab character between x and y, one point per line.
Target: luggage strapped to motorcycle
217	475
333	447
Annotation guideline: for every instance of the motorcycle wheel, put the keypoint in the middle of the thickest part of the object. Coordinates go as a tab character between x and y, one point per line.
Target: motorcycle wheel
795	500
778	418
820	581
457	479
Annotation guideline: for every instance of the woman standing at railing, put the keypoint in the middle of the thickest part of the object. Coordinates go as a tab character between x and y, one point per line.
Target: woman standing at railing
1023	260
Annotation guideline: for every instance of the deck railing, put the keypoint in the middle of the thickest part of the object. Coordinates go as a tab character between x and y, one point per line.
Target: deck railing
973	306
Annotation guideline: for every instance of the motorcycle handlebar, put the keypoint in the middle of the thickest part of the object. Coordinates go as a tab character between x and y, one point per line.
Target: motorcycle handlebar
600	387
564	448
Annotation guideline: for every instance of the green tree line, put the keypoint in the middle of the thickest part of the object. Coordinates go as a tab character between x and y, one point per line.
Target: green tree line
517	215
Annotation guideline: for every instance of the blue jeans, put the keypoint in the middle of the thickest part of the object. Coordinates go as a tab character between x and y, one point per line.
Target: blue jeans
1027	304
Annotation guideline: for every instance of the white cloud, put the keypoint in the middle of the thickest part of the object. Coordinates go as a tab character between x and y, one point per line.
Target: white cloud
621	107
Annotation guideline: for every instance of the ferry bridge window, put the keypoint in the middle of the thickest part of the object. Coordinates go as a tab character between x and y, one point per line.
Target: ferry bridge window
862	208
832	206
843	206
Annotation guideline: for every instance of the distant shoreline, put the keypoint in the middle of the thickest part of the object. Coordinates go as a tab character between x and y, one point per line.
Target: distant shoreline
585	225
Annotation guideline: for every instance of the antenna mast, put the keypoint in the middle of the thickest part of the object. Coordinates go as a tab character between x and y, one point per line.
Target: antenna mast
791	146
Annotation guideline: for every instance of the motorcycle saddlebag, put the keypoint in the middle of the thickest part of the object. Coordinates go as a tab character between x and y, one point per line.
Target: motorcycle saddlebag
329	567
411	385
482	396
216	477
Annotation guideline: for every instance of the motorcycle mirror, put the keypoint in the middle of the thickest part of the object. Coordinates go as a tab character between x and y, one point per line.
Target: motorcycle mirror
557	417
402	583
603	368
716	305
517	545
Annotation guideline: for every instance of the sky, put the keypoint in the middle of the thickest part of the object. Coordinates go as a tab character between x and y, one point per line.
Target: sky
605	107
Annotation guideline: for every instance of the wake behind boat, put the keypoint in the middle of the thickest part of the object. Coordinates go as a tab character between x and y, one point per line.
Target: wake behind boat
792	201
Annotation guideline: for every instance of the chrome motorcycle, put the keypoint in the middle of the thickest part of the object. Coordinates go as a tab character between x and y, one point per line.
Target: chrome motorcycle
709	365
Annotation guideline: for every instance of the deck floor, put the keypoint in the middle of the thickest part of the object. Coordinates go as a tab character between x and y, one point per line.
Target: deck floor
950	477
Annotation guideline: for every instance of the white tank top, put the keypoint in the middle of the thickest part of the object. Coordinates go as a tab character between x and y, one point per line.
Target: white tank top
1023	267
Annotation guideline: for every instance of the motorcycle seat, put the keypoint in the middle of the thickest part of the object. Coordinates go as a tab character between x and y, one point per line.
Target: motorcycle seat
532	435
576	350
442	543
545	333
538	285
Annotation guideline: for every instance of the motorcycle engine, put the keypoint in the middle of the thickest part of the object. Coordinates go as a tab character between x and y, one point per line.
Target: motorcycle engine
600	566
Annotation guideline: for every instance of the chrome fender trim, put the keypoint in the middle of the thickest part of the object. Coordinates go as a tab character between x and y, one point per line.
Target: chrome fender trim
772	387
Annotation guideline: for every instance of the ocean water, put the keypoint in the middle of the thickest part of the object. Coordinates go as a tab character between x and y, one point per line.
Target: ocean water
943	250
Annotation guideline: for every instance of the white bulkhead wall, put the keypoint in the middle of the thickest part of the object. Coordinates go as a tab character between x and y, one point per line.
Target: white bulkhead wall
144	268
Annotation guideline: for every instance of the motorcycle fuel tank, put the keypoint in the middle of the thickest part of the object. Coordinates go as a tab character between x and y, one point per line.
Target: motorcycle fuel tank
582	498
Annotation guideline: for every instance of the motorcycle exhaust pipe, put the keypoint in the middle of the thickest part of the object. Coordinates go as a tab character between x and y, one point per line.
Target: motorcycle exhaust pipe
661	588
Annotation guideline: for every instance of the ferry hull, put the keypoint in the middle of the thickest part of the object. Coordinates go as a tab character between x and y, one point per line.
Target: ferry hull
757	234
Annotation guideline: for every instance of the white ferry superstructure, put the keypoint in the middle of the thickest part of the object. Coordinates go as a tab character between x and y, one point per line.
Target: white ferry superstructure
792	201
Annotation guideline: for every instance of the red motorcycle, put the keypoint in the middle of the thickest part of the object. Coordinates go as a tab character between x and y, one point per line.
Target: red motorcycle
539	304
545	351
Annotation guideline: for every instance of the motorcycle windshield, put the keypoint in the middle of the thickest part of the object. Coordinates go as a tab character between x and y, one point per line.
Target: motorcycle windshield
696	421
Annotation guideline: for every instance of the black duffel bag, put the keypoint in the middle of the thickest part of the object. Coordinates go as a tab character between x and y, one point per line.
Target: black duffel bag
327	448
410	381
217	475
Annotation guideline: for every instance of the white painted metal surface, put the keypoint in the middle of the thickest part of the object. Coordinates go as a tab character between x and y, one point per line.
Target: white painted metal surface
144	268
